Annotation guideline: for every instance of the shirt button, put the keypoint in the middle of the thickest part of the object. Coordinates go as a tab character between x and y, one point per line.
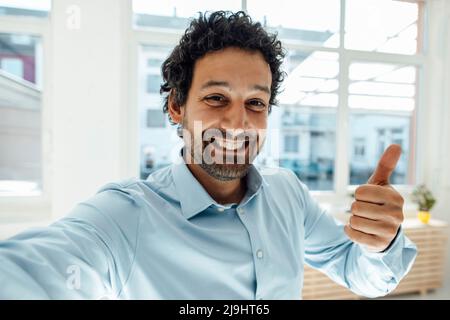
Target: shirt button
259	254
220	209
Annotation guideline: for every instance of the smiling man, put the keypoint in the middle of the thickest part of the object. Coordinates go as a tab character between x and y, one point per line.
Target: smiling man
212	225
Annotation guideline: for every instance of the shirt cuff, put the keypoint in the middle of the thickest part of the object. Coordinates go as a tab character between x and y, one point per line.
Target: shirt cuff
394	241
398	257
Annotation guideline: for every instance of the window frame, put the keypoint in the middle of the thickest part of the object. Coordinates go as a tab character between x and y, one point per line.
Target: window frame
33	208
341	194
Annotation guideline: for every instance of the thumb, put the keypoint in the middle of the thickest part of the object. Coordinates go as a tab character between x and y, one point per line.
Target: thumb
386	165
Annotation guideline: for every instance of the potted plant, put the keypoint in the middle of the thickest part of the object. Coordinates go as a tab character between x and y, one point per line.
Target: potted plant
425	200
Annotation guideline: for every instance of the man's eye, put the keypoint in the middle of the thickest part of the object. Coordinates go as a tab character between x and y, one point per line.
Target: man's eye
215	99
257	104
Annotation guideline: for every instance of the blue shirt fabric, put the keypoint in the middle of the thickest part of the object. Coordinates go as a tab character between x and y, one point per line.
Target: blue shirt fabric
166	238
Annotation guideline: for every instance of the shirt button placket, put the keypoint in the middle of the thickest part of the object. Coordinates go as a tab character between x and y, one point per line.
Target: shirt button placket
256	243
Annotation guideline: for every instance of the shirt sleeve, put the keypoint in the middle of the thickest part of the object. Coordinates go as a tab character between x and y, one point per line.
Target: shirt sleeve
366	273
86	255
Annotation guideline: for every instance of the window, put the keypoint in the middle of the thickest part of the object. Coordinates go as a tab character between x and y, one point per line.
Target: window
291	143
153	83
175	14
20	115
359	148
382	104
157	136
155	118
382	25
35	8
13	66
309	101
343	86
154	63
20	57
307	22
21	96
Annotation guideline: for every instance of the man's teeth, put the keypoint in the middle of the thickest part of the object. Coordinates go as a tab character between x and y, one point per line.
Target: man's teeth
229	144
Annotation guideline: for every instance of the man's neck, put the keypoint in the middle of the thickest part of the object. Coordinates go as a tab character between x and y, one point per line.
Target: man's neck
222	192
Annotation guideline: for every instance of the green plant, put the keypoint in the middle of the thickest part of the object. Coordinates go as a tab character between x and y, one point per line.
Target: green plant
423	197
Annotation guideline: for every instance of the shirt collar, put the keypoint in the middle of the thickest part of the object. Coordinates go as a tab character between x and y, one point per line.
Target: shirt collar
194	198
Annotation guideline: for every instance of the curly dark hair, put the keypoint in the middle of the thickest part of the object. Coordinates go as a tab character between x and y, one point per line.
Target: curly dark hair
213	32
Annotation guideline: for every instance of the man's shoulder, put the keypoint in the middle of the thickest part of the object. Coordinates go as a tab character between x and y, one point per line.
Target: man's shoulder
120	204
282	180
114	202
133	190
278	175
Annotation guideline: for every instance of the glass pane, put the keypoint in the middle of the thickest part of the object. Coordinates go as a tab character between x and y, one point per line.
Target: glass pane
308	117
381	25
157	136
35	8
382	103
176	14
308	22
20	115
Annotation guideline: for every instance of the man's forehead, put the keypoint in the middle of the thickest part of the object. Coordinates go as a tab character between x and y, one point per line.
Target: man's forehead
221	83
228	66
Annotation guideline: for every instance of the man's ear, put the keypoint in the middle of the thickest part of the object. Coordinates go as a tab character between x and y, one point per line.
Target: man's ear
176	112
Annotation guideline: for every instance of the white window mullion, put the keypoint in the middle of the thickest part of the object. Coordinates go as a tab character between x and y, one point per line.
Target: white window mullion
46	117
28	25
244	5
341	165
129	163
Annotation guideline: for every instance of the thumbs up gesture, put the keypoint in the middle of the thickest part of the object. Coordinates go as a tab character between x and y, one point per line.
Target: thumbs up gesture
377	211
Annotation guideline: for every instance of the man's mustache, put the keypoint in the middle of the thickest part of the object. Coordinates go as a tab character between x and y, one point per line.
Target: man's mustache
211	134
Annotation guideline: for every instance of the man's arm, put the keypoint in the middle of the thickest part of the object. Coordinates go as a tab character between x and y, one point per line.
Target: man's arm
82	256
370	255
366	273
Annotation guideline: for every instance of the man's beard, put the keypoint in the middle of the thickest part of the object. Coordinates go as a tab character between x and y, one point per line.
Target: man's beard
226	172
229	166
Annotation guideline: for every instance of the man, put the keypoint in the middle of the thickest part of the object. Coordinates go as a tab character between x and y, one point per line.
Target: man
212	226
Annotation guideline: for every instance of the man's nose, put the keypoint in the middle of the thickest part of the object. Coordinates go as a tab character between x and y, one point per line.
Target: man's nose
235	117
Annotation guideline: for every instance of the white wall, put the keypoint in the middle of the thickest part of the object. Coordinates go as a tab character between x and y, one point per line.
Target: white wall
88	98
436	112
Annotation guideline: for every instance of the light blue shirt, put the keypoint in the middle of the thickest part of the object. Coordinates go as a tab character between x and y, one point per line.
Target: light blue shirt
166	238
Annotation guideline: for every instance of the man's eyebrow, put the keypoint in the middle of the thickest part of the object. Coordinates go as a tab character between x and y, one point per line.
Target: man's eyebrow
215	83
261	88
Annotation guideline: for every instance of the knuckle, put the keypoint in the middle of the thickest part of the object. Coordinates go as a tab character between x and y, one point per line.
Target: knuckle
395	230
370	242
354	207
386	243
353	221
400	218
359	191
391	231
378	242
356	237
348	231
399	199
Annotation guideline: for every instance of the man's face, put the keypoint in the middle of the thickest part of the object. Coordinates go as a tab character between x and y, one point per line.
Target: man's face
228	103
